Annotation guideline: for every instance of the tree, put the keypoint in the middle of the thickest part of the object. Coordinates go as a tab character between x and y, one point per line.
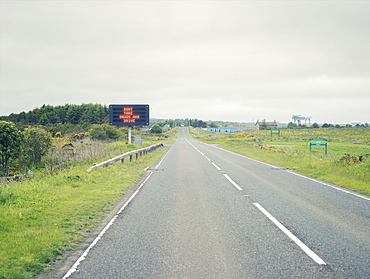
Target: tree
43	120
202	124
292	125
89	116
10	144
37	143
326	125
156	129
315	125
101	114
73	114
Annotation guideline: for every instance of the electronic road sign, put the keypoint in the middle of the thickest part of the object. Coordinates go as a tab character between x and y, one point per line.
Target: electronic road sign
129	115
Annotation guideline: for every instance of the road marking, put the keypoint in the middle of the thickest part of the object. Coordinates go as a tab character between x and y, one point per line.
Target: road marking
292	172
331	186
83	256
160	162
233	182
303	246
217	167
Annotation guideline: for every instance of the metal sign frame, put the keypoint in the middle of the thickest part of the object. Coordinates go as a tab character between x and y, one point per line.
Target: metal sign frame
275	132
319	141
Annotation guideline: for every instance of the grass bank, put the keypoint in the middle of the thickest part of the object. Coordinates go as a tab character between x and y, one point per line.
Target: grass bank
42	218
341	166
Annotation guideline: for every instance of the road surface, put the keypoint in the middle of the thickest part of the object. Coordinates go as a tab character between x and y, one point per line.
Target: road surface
203	212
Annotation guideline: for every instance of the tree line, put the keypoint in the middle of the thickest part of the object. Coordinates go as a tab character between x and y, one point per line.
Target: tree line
292	125
64	114
183	122
84	114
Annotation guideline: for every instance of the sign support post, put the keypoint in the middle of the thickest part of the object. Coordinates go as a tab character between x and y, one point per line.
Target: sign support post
129	134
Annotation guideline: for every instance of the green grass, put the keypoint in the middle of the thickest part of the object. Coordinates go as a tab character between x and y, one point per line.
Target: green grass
42	218
296	155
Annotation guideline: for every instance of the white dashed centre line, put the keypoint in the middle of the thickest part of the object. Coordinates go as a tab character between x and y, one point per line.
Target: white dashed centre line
301	245
233	182
217	167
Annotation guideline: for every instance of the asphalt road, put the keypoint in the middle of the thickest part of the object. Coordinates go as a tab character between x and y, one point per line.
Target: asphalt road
203	212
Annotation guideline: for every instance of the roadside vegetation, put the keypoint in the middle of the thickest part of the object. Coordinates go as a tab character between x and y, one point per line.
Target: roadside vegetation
48	213
347	163
49	202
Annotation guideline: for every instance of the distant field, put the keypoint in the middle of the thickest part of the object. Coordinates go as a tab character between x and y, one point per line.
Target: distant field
347	163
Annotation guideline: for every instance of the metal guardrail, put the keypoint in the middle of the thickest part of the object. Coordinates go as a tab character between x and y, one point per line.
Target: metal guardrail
127	154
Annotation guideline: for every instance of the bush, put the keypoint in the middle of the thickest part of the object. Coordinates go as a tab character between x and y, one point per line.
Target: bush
104	132
10	144
349	158
156	129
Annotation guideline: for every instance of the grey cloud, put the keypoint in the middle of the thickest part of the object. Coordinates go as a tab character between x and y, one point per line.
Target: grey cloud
227	60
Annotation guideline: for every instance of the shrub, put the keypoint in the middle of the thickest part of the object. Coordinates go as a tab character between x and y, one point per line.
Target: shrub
10	144
348	158
104	132
156	129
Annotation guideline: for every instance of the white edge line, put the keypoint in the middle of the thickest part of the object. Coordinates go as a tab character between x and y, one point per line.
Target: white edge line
83	256
160	162
331	186
303	246
292	172
233	182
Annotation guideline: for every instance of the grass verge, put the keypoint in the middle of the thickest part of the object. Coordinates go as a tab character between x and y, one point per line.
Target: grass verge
296	156
42	218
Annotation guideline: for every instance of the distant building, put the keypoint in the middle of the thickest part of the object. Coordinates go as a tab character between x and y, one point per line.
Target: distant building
264	125
222	130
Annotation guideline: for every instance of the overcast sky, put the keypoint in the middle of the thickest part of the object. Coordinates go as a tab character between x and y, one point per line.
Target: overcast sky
211	60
